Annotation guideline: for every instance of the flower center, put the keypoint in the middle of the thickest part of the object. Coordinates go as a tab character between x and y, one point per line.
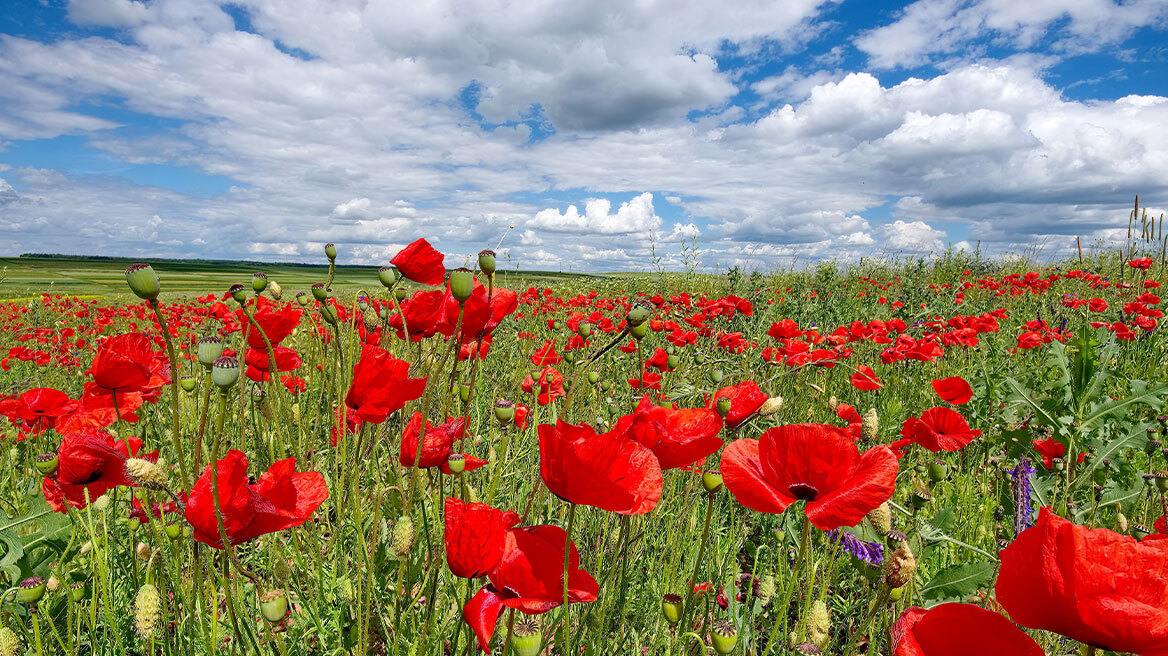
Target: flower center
803	491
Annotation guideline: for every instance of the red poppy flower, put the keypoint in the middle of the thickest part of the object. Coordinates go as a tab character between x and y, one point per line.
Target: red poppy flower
937	429
90	463
436	447
1050	449
1141	263
283	498
546	355
745	400
529	578
37	409
1091	585
422	313
295	384
817	463
128	363
959	630
474	535
608	471
381	385
480	315
276	320
421	263
953	390
677	437
865	379
855	427
549	390
259	363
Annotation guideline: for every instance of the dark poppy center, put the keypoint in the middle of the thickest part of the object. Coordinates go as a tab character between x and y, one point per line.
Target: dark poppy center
803	491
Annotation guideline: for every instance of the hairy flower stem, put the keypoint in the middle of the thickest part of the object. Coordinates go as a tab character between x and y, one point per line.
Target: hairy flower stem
176	437
207	385
567	641
426	397
866	628
697	571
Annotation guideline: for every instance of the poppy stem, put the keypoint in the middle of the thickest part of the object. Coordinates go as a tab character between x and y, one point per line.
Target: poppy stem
176	437
567	563
697	571
510	630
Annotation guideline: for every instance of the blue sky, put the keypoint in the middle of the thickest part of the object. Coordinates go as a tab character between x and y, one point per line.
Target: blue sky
779	133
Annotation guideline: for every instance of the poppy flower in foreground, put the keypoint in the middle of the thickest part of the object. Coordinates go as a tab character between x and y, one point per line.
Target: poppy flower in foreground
745	400
283	498
937	429
90	461
421	263
128	363
436	446
816	463
959	630
1092	585
474	536
865	379
37	409
381	385
955	390
608	471
677	437
528	578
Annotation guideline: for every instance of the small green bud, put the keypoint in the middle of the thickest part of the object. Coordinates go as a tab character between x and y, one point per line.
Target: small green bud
672	361
464	393
723	406
593	377
584	329
716	376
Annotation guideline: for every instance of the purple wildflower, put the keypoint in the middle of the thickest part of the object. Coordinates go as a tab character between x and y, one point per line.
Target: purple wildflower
1021	493
869	552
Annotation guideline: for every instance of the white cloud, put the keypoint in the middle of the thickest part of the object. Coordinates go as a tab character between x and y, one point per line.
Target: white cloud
913	237
634	216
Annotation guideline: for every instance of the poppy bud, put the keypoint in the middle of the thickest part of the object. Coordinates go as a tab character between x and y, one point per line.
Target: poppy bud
808	649
187	383
771	406
870	425
259	282
896	594
584	329
30	590
606	385
147	610
10	643
143	551
639	331
143	281
456	462
819	624
403	535
766	589
281	570
346	592
275	290
487	262
238	293
327	313
527	638
274	605
464	392
716	376
46	464
593	377
225	372
638	315
899	567
319	292
725	637
461	284
700	357
400	294
302	299
712	481
504	411
145	474
1121	523
938	471
723	406
671	608
330	251
387	276
101	503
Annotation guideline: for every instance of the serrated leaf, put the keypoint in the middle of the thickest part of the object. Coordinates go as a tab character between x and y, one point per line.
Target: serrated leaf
957	582
13	548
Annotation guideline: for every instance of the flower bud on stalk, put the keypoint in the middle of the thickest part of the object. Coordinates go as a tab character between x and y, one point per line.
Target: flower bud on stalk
584	329
275	290
716	376
870	425
330	251
487	262
819	624
143	281
259	282
771	406
464	392
387	276
145	474
10	643
225	372
881	519
403	535
461	284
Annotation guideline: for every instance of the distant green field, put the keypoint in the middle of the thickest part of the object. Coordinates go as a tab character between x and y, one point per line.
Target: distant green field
28	277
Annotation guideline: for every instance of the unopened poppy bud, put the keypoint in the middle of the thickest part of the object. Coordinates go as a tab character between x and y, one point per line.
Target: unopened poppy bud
899	567
30	590
281	570
819	624
143	281
606	385
187	382
712	481
456	462
225	372
672	361
387	276
209	350
766	589
238	293
504	411
101	503
330	251
461	284
938	471
1121	523
671	608
302	299
870	425
400	294
147	610
593	377
725	637
527	637
143	551
723	405
716	376
700	357
10	643
771	406
403	535
145	474
274	605
880	518
259	282
46	464
639	331
638	315
275	290
464	392
487	262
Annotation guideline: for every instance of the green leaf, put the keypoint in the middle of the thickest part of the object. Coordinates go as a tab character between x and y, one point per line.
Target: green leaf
1141	393
957	582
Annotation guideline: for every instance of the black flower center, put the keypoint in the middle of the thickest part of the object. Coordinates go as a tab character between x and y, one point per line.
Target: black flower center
803	491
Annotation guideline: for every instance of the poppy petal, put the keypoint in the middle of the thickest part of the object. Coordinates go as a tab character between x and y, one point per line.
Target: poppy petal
742	475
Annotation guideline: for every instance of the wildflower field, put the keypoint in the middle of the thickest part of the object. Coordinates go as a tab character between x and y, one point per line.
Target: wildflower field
944	457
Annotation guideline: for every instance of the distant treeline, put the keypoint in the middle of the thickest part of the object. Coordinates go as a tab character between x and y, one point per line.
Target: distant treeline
187	261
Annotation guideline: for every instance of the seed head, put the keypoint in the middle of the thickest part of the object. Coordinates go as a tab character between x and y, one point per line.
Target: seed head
145	474
899	567
147	610
403	535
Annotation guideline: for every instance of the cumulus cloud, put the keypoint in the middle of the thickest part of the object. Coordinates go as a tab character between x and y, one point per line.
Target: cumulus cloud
913	237
635	216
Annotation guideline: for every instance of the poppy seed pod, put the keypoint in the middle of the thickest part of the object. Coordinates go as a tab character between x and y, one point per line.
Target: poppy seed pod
899	567
712	481
46	464
725	637
606	385
638	315
143	281
487	262
330	251
461	284
275	290
187	383
584	329
527	637
700	357
504	411
319	292
716	376
722	405
387	276
259	282
302	299
209	350
938	471
639	331
172	531
593	377
78	590
147	610
30	590
274	605
672	361
671	608
456	462
225	372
